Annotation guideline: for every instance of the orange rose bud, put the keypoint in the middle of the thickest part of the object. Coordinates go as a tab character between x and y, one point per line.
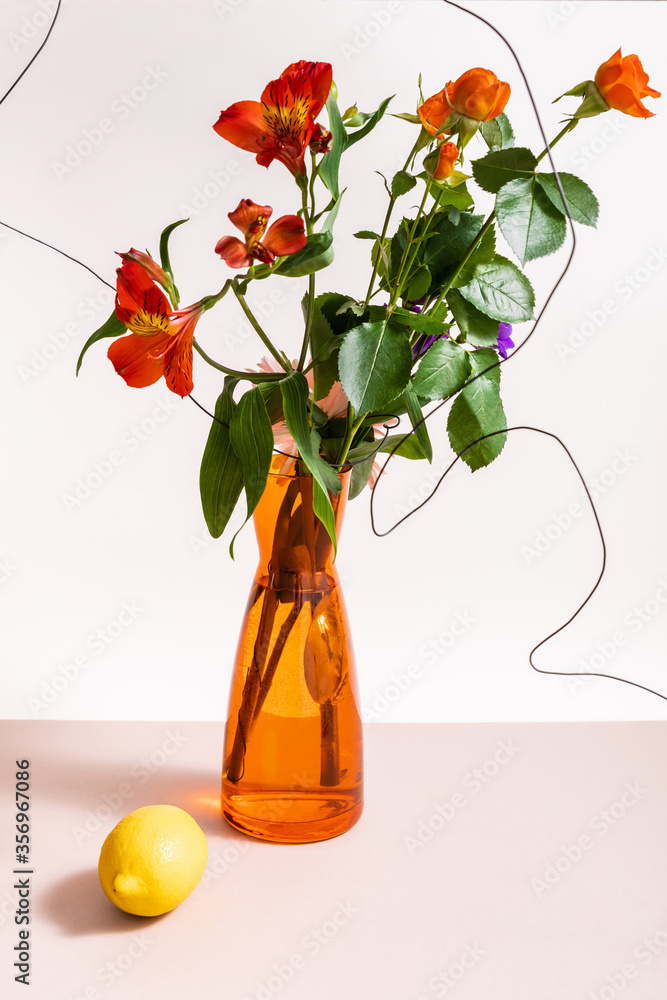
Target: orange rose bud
479	94
623	83
448	155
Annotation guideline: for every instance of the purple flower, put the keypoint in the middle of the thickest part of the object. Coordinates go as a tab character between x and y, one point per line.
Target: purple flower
504	339
422	344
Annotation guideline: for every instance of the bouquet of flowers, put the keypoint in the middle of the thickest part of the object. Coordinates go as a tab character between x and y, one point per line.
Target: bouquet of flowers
440	302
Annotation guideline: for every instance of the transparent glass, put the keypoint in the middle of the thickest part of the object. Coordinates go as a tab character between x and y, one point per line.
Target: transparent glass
293	762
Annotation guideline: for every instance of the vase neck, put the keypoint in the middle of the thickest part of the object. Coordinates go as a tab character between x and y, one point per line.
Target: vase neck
294	546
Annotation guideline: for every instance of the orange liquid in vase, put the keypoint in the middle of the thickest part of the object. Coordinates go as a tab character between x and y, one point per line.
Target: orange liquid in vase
293	762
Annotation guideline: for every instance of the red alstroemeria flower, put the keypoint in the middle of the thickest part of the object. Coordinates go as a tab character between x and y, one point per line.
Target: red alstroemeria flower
281	125
160	343
285	236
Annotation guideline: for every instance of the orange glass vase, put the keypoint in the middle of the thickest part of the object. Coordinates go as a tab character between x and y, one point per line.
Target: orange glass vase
293	765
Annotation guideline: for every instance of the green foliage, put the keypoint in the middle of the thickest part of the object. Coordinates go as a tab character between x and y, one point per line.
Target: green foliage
419	285
482	255
111	328
251	436
324	337
402	182
416	416
374	363
503	165
408	448
477	328
295	392
164	250
342	139
506	130
476	411
584	206
417	321
361	472
448	243
501	291
221	474
442	371
316	254
528	219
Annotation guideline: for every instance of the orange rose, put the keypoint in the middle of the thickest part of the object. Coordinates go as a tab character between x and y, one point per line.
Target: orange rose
623	82
477	94
448	155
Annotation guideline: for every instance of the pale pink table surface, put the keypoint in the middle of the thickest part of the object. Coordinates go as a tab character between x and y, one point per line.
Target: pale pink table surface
488	907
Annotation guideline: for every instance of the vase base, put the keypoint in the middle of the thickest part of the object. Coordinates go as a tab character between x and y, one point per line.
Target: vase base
292	819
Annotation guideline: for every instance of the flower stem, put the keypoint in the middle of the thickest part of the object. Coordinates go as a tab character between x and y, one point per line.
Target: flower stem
250	376
352	428
385	226
311	277
255	325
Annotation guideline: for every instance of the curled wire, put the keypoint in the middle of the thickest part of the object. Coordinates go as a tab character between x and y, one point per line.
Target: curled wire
395	417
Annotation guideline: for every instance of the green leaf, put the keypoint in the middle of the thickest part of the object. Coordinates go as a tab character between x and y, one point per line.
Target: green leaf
448	244
419	284
164	246
112	328
407	117
323	343
374	363
485	361
366	234
361	472
406	449
221	474
476	411
295	392
501	291
316	254
457	196
483	253
422	323
442	371
584	206
371	122
506	130
330	163
492	133
251	436
327	225
528	220
477	328
401	183
503	165
416	416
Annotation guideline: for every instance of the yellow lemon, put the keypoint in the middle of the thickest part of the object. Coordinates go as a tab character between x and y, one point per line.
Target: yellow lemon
152	860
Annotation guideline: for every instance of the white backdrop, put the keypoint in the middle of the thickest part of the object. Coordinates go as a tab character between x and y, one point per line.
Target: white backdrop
115	603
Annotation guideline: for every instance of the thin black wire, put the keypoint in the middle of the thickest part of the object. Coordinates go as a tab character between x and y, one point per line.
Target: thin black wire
507	430
26	68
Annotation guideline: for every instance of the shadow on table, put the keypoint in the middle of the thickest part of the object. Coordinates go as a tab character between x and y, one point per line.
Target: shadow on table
78	906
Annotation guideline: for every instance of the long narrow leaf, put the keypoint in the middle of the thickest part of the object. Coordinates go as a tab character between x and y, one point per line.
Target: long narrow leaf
251	436
295	398
221	474
112	328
